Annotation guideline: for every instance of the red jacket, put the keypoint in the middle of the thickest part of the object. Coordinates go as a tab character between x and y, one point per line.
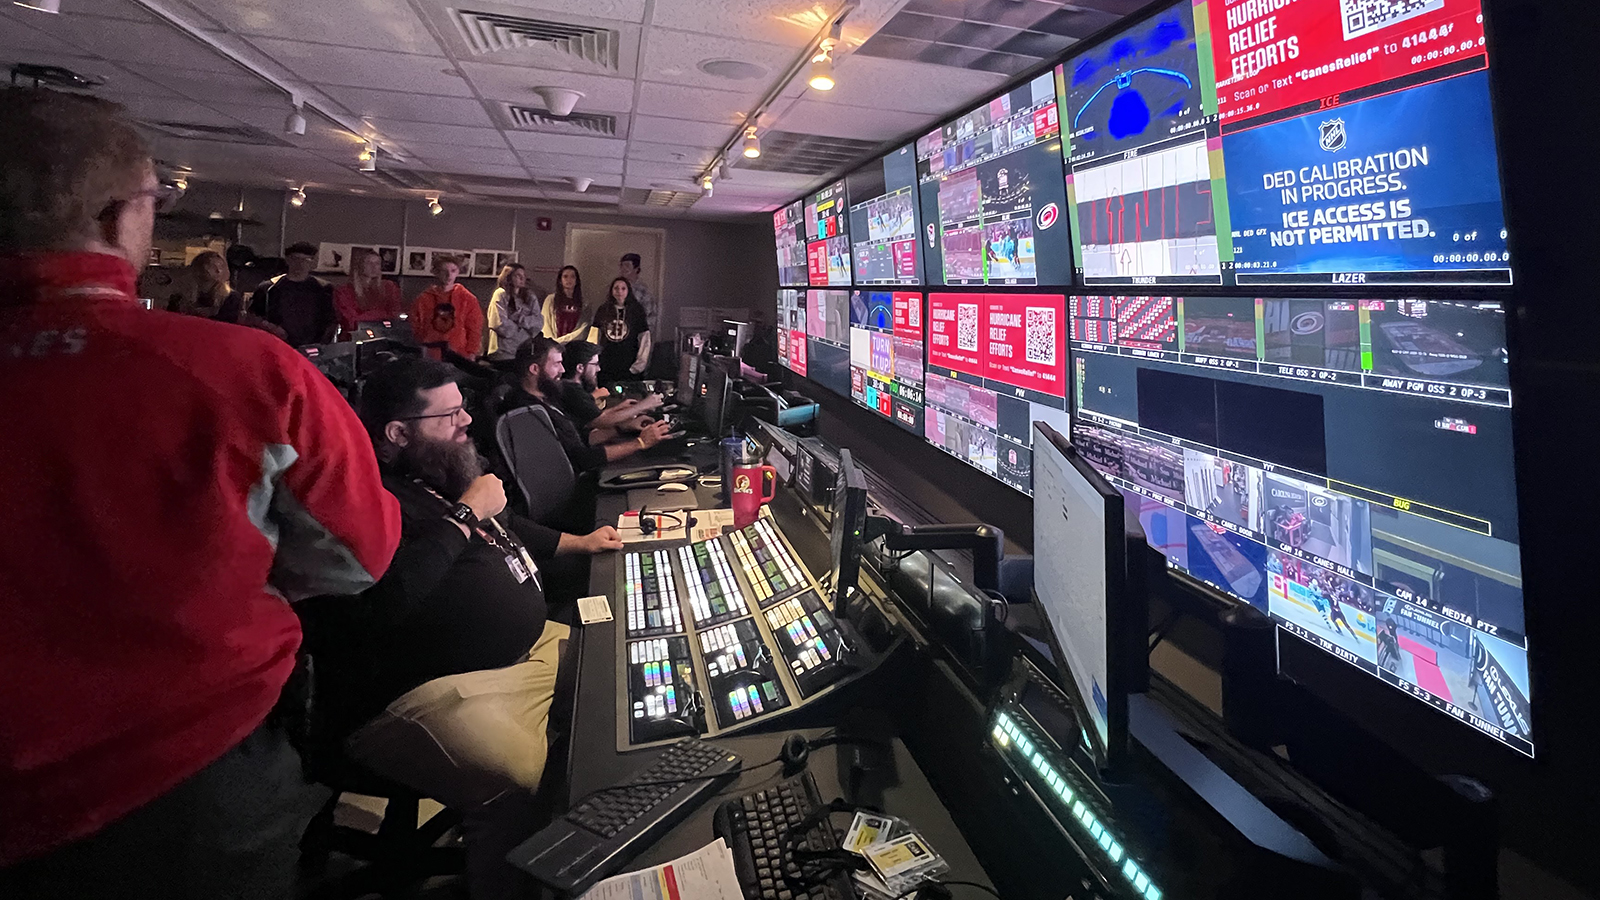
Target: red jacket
168	481
461	323
389	306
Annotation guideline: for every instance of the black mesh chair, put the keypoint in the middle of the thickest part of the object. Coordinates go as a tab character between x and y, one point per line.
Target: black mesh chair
537	461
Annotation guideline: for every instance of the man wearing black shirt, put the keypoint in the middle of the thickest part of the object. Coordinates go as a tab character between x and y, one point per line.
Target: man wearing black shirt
298	302
579	387
460	660
539	362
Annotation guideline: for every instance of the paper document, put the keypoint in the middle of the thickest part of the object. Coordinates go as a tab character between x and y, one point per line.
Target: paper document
706	874
709	523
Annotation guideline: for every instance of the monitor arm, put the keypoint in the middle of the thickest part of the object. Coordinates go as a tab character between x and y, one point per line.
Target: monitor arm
987	543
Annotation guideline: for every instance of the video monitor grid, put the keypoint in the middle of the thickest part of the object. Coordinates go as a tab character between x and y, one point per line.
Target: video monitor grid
788	229
886	372
883	220
827	227
1357	514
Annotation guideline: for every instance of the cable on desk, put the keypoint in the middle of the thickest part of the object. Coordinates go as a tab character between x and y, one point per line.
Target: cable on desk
939	890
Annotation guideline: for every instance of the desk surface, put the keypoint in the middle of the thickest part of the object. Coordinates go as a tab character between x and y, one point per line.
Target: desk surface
594	761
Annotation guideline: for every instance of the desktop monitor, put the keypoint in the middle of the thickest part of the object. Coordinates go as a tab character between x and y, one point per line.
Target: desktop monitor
714	389
884	221
689	379
1096	613
849	522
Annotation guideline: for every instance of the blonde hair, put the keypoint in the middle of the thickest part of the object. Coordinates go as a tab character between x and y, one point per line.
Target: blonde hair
65	160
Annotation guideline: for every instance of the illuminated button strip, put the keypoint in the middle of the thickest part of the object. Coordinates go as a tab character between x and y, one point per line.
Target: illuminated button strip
1013	742
811	651
766	562
723	650
655	661
650	578
713	591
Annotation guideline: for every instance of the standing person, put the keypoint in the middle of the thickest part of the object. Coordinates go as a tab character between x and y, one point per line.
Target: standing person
297	301
629	268
151	542
367	296
514	314
448	312
563	309
623	333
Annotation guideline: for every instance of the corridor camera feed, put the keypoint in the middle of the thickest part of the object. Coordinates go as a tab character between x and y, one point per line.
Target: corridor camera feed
827	231
1345	466
1139	172
991	196
886	355
997	363
788	230
827	355
883	220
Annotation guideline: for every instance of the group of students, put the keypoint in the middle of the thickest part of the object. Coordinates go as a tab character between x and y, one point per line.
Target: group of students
167	548
304	309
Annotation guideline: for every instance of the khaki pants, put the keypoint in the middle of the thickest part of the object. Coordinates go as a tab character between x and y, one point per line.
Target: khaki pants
477	743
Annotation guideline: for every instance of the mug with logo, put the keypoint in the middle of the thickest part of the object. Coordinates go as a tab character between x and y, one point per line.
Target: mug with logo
753	486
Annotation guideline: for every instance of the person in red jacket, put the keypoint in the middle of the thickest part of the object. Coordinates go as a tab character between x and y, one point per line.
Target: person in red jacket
446	311
152	541
367	296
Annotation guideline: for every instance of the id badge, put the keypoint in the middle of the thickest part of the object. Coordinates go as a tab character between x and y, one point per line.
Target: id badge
531	566
518	570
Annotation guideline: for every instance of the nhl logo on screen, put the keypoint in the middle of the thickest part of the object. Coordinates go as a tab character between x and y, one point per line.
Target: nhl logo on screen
1048	216
1331	135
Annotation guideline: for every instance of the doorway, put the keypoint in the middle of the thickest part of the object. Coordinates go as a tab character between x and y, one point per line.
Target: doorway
596	249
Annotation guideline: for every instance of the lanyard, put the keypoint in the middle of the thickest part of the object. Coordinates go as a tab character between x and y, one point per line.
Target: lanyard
518	559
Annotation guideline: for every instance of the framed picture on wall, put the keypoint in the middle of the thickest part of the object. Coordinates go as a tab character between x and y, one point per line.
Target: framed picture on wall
333	258
483	264
388	257
501	260
416	261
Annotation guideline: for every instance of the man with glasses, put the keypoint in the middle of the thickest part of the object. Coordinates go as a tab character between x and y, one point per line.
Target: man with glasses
459	660
152	541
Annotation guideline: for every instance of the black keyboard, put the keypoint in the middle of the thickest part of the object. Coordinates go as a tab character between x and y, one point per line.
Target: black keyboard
757	828
605	830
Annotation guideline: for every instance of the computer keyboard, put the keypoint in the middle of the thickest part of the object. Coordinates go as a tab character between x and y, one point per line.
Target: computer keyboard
757	828
605	830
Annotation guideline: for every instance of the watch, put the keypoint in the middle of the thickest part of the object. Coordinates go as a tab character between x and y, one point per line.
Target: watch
463	513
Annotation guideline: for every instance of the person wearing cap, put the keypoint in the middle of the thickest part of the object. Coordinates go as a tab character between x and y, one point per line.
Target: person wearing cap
297	301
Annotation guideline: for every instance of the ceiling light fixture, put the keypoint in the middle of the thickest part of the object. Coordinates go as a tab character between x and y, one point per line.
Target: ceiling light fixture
369	157
295	123
52	7
559	101
705	184
579	183
752	144
297	198
433	206
822	68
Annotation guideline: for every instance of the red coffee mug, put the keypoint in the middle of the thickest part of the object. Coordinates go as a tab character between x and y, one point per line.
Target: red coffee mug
747	500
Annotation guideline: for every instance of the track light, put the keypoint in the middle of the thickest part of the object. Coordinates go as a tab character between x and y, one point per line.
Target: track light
822	68
705	184
369	157
433	206
295	123
52	7
752	144
297	198
580	183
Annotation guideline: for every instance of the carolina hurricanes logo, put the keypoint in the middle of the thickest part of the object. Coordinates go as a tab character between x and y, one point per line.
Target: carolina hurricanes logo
1048	216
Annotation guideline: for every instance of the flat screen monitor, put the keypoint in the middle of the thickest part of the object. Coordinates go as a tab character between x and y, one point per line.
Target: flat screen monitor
991	194
828	237
849	521
688	379
791	320
788	230
1309	143
826	359
884	220
886	355
1096	613
1344	466
997	363
714	388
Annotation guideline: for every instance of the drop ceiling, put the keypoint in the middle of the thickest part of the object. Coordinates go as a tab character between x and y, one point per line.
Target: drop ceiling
446	87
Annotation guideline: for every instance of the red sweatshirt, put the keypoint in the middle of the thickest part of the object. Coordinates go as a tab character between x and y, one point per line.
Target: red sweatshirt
168	481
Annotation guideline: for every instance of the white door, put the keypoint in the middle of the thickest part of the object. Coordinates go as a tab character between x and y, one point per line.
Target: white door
596	250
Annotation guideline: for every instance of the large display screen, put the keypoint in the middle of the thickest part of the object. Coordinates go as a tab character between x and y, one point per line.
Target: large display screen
1263	142
883	220
827	354
1345	466
791	321
788	230
886	355
997	363
827	228
991	195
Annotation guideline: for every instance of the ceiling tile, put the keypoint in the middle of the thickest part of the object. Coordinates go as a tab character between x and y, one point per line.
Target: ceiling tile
463	167
436	154
526	141
671	55
322	65
441	134
672	153
791	24
238	87
696	103
17	39
111	9
680	131
175	109
371	24
516	83
824	117
619	10
939	90
391	106
570	163
136	42
321	134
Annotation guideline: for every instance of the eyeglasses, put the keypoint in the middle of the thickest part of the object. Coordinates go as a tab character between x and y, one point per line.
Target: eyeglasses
163	196
452	415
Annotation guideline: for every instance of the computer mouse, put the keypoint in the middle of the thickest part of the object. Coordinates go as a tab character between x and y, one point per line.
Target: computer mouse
672	487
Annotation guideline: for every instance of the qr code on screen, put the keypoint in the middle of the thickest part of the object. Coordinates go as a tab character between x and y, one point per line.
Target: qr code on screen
1365	16
967	326
1041	344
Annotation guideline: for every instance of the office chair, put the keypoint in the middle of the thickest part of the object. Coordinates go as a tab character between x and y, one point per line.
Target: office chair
395	859
537	461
